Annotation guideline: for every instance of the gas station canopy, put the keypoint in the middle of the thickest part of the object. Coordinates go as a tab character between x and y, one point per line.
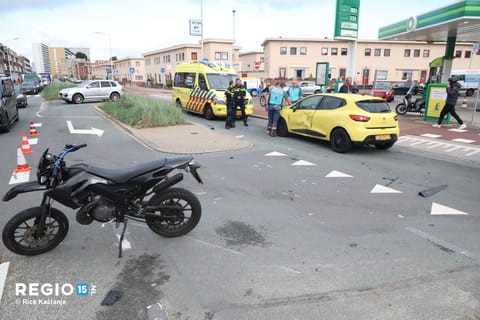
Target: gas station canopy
460	20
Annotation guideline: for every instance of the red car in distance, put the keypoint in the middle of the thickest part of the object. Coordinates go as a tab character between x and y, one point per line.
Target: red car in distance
383	90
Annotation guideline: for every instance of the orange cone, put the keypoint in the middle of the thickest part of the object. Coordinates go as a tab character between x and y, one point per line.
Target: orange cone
22	165
25	145
33	131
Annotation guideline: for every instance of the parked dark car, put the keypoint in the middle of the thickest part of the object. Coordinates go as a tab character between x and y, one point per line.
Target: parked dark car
22	101
401	88
30	87
8	104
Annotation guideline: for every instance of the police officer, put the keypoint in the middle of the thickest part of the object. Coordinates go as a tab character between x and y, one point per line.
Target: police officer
239	96
229	94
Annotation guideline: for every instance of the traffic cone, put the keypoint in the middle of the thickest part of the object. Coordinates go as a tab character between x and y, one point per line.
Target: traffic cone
464	103
33	131
25	145
22	165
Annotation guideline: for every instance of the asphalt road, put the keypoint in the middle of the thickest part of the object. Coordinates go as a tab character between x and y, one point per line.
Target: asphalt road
284	233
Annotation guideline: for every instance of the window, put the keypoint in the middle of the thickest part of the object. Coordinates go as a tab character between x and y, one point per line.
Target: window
218	55
303	51
148	61
309	103
386	52
324	51
282	73
407	52
283	50
138	77
331	103
184	79
105	84
224	55
468	54
202	83
334	51
416	53
137	63
194	56
293	51
377	52
407	75
458	53
426	53
262	59
423	75
368	52
344	51
342	73
382	74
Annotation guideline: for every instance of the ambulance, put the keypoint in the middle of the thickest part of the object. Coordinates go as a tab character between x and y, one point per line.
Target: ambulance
200	86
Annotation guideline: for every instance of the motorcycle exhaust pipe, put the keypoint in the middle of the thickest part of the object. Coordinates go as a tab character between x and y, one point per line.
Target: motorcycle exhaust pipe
168	182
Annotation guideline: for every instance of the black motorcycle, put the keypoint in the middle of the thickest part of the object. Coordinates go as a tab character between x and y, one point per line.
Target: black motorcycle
408	105
141	193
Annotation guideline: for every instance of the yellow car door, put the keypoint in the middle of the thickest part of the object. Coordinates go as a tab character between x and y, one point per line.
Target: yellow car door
325	116
300	118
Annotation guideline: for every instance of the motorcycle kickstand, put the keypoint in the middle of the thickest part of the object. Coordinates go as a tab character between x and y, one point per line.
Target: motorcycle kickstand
121	238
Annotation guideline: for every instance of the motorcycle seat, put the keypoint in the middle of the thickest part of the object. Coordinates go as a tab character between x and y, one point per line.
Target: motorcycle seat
123	175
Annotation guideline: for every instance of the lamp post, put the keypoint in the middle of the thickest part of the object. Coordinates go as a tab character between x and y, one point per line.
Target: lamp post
233	11
8	49
110	44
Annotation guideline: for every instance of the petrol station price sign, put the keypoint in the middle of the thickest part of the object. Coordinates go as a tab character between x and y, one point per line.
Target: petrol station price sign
346	19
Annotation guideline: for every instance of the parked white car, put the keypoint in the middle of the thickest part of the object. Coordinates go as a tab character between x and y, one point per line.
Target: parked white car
92	91
308	87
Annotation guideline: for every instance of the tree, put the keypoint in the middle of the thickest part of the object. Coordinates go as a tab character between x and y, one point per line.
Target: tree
114	58
81	55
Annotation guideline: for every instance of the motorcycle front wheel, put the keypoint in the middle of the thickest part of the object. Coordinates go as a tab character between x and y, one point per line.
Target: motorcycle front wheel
401	109
19	234
177	211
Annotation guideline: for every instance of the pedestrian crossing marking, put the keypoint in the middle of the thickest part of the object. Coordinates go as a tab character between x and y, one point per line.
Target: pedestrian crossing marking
463	140
431	135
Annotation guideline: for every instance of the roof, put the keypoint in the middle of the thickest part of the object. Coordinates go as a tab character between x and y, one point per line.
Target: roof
461	20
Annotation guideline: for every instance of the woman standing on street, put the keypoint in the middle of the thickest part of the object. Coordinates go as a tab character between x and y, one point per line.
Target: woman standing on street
453	91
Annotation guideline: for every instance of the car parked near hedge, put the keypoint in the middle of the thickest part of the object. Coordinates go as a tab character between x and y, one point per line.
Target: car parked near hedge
92	91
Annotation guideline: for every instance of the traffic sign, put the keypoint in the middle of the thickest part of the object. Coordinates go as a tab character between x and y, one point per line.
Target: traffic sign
257	65
162	70
132	69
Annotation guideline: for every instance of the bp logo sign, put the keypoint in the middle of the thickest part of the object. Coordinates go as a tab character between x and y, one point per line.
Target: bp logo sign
411	24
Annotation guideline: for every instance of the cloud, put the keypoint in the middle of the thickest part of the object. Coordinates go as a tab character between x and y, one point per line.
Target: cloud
18	5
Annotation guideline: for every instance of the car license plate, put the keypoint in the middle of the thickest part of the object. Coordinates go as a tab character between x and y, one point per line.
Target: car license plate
382	137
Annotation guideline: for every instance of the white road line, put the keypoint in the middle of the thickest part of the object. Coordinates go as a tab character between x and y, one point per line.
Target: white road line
443	244
463	140
472	153
451	149
431	135
417	143
287	269
457	130
215	246
3	276
433	145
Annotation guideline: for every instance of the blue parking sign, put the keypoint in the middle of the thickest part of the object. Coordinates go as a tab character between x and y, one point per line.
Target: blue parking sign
162	70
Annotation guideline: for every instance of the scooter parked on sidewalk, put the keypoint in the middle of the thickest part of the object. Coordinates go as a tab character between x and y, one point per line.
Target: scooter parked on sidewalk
408	105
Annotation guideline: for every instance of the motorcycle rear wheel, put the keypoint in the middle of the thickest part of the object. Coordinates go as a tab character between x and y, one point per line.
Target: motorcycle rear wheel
177	212
401	109
19	233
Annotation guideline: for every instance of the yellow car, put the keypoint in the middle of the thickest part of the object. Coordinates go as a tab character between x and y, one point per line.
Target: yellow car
342	119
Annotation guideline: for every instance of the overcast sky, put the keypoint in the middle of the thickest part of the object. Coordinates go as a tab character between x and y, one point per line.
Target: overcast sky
139	26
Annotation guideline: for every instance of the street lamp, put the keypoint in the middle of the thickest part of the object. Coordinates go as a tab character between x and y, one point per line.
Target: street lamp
9	65
110	43
233	11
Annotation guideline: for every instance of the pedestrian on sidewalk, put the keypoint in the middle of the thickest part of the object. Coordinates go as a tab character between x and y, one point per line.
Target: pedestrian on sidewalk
275	101
453	91
231	109
240	94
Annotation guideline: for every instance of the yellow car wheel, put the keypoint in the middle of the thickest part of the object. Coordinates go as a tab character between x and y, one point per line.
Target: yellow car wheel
340	141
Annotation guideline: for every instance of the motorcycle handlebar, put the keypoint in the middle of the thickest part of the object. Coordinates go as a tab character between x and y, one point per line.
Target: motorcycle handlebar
74	147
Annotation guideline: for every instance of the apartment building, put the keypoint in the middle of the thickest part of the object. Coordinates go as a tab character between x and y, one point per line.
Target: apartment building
123	67
61	61
286	58
40	57
159	64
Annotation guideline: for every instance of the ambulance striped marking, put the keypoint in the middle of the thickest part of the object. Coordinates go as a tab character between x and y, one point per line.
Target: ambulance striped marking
199	98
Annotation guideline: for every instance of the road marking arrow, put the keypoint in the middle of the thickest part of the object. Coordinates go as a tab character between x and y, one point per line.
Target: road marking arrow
96	131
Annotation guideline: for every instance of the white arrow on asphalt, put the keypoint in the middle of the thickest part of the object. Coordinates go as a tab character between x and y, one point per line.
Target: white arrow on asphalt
96	131
438	209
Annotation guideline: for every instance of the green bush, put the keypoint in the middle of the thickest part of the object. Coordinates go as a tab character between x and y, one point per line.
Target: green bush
144	112
50	92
